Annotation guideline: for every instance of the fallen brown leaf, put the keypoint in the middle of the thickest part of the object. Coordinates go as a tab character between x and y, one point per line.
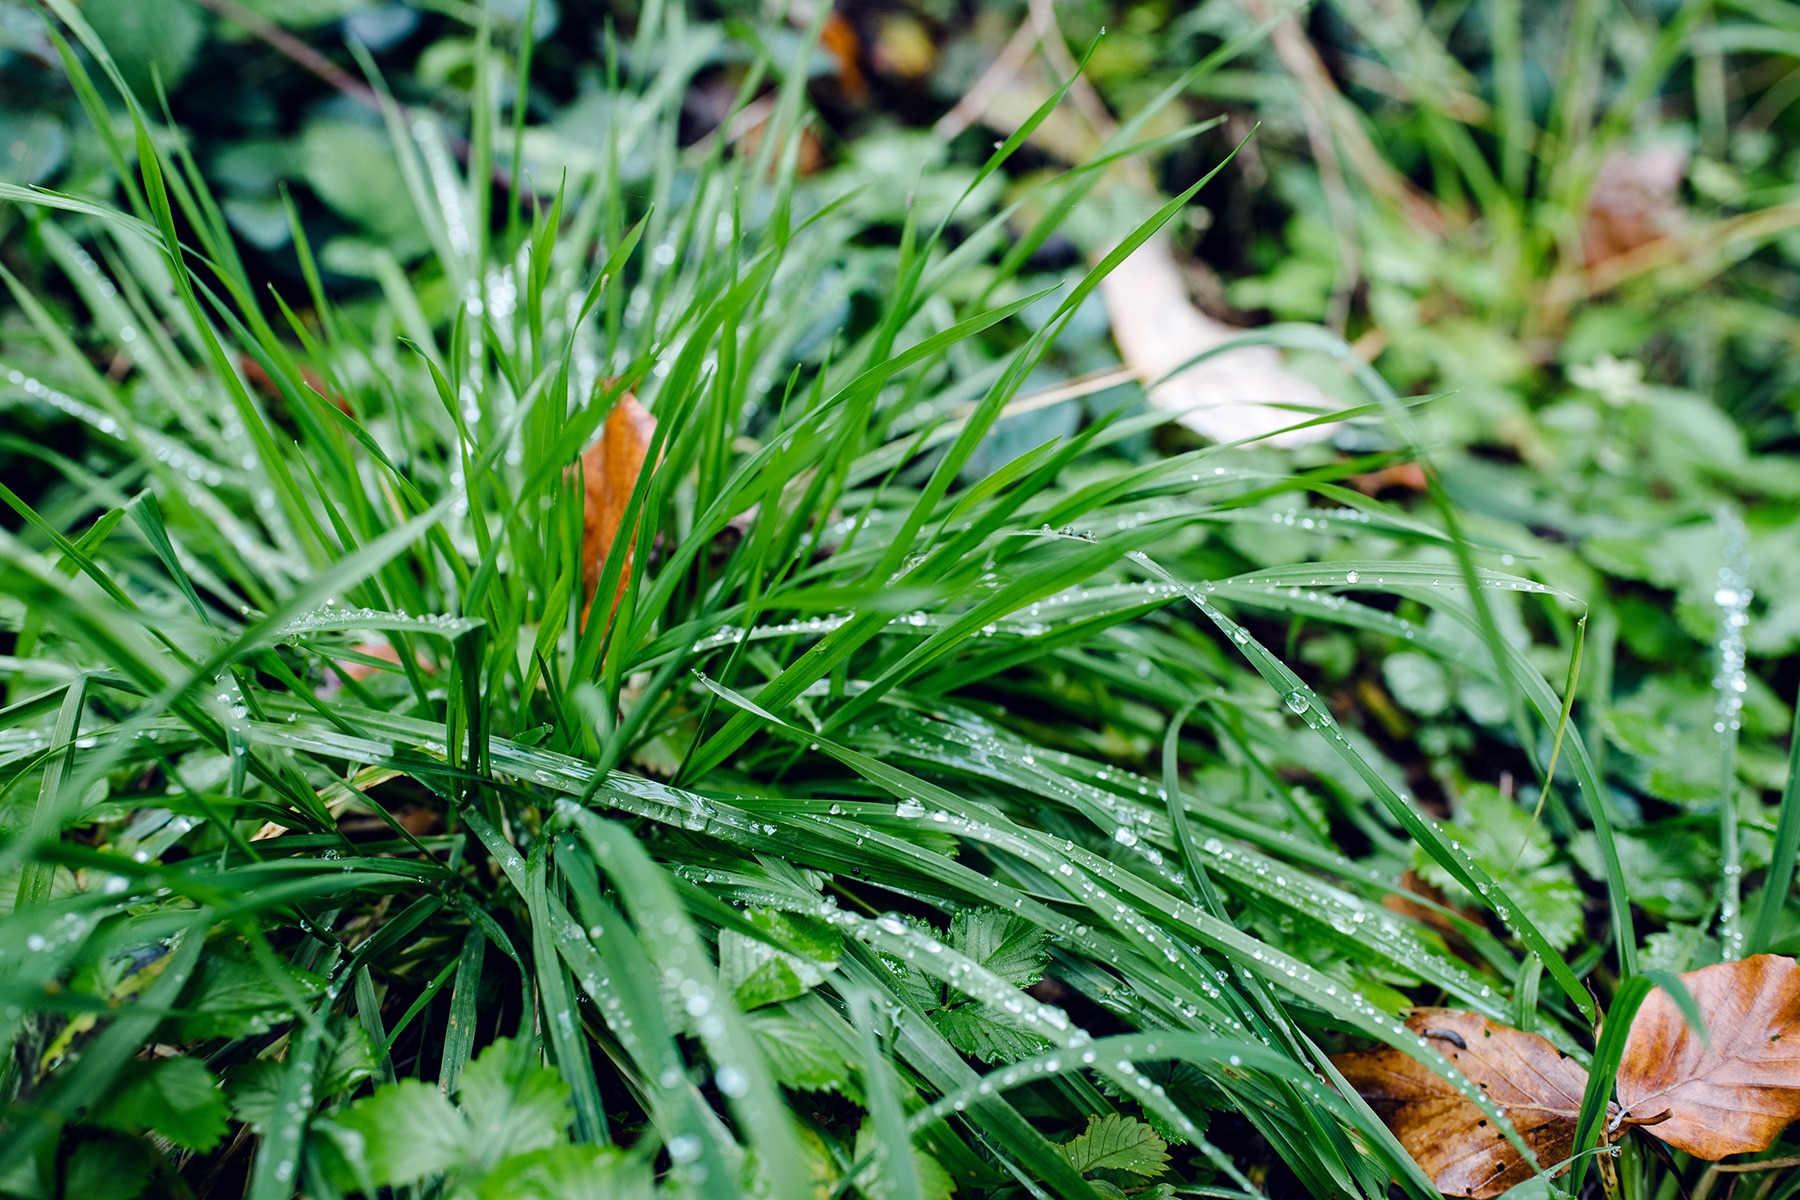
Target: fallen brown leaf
1635	200
1532	1082
1737	1094
610	469
838	39
1409	476
1411	883
263	382
1733	1092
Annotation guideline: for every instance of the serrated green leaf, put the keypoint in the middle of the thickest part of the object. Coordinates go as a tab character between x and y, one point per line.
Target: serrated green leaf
1518	852
508	1107
1117	1142
231	995
799	934
1184	1084
912	982
176	1098
759	974
112	1168
1663	866
799	1055
566	1173
253	1086
935	1183
405	1132
1679	948
975	1030
511	1106
1010	946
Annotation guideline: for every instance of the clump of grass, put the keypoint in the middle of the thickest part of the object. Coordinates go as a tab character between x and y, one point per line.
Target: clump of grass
906	827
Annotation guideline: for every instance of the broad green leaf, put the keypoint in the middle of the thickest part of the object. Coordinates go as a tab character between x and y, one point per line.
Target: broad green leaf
799	1054
405	1132
175	1098
151	42
1117	1143
232	996
935	1183
566	1173
511	1104
351	166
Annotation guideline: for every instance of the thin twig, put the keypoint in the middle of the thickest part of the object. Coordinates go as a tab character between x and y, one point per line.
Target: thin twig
1087	101
1767	1164
296	51
307	58
999	75
1301	58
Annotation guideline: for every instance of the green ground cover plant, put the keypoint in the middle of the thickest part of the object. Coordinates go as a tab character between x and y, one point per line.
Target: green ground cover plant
963	795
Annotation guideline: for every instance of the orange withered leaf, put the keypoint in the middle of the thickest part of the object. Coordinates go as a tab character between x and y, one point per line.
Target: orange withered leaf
1451	1138
838	39
1734	1092
1407	475
610	469
1731	1092
262	381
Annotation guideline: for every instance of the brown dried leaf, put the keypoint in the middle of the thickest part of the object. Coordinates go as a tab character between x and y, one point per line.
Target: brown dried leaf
1532	1082
610	469
1634	201
1737	1094
1411	881
262	381
1407	476
838	39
